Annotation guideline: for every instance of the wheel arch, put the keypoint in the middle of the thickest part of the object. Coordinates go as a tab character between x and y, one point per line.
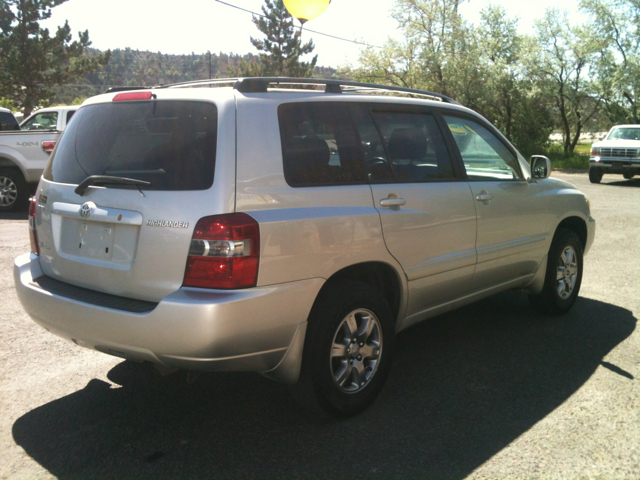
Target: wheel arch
380	275
7	161
576	225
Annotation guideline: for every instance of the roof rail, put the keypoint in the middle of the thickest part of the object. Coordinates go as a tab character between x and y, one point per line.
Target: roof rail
261	84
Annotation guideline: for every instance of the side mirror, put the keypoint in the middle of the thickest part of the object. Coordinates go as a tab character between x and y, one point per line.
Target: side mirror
540	166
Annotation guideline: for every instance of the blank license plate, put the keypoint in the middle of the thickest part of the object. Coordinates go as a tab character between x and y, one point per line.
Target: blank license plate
95	240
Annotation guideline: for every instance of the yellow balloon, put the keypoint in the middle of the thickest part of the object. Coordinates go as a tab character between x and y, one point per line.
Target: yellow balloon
305	10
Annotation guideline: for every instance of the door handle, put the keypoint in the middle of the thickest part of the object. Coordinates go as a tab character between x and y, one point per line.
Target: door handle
392	202
484	197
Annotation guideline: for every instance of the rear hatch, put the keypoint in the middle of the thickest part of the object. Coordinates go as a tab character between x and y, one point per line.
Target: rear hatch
124	237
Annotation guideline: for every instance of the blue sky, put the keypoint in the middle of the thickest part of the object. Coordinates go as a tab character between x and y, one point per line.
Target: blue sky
201	25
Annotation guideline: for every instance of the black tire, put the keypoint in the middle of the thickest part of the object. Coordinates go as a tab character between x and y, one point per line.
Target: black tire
628	176
13	190
316	390
595	175
558	296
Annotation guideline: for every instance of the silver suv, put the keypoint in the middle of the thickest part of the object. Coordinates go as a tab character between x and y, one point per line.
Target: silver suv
288	231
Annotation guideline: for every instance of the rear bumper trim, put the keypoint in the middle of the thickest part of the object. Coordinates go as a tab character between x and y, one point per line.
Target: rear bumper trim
92	297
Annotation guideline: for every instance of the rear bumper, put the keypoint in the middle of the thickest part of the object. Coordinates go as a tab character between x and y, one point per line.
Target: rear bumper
260	329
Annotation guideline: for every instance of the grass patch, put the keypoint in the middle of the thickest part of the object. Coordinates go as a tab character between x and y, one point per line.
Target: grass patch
582	149
578	161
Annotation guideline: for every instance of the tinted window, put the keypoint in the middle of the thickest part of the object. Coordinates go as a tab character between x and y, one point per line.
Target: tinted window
69	115
319	145
41	121
171	144
375	157
484	156
414	146
8	122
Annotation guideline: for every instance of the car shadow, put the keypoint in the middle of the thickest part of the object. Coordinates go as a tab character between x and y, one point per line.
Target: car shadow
634	182
462	387
22	214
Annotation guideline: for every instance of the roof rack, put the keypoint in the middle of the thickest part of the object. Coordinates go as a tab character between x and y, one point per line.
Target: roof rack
261	84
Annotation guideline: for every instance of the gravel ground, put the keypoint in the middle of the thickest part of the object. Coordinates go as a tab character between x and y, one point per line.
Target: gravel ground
492	390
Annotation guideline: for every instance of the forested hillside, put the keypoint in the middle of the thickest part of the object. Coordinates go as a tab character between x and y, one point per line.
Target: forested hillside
133	67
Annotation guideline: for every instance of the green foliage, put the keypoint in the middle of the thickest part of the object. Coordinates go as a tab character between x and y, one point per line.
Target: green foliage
6	103
282	47
32	61
576	161
615	29
571	78
561	61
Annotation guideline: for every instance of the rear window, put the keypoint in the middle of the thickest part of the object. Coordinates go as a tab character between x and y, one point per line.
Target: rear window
171	144
8	122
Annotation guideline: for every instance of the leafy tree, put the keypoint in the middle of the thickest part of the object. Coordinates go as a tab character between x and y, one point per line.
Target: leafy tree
480	67
509	99
562	61
435	54
282	47
32	61
615	27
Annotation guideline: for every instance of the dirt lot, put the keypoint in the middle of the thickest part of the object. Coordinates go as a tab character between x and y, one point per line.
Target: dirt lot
493	390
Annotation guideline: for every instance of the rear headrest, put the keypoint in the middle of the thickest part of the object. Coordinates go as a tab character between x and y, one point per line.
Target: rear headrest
311	151
307	159
407	144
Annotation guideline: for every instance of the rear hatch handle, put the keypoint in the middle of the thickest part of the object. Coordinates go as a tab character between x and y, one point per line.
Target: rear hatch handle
100	180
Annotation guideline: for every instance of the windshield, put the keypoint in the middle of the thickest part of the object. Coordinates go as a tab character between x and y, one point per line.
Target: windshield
171	144
624	134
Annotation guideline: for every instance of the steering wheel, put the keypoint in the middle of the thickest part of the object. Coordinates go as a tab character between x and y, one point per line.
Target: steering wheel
376	162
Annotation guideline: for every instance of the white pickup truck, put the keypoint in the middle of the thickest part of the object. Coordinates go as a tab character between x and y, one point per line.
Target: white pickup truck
618	152
24	152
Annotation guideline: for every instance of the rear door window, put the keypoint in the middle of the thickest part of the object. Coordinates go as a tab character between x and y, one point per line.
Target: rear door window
319	145
171	144
413	145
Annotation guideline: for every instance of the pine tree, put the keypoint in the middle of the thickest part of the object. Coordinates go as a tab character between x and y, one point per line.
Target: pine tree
32	61
281	49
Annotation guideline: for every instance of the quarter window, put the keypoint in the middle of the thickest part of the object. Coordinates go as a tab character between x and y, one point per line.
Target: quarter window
484	156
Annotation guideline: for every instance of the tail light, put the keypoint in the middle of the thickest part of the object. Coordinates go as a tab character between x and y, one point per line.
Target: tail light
47	147
224	252
33	236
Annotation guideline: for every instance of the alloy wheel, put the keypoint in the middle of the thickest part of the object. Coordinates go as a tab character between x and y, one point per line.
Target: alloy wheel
356	350
567	272
8	192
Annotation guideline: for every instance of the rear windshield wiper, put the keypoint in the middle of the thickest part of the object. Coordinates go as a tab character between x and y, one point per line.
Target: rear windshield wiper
100	180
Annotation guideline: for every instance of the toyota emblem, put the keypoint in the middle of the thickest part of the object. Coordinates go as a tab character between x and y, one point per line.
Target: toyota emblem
85	210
